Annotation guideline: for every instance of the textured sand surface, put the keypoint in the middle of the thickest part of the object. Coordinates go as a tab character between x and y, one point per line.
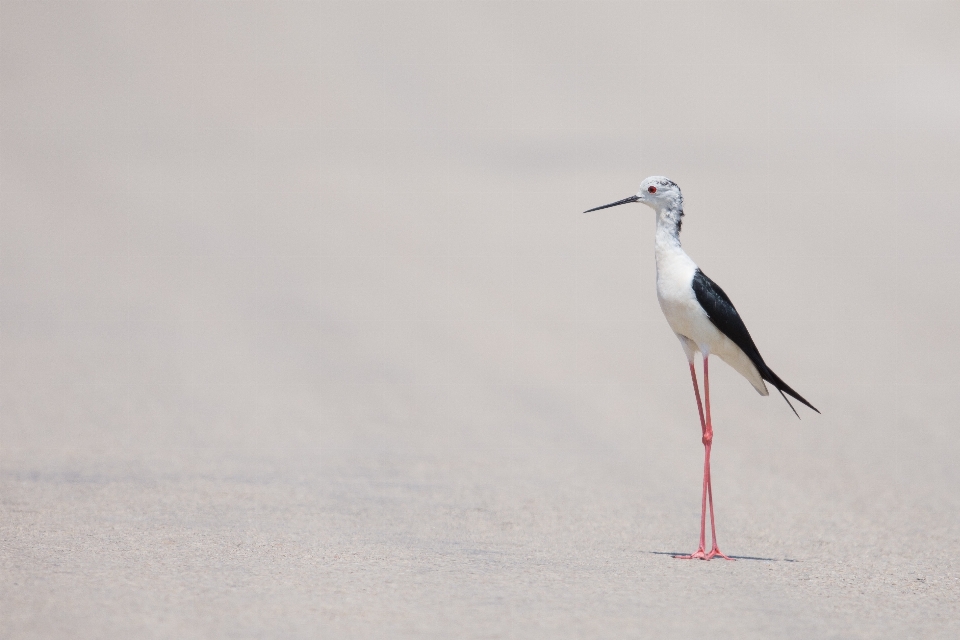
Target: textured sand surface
303	334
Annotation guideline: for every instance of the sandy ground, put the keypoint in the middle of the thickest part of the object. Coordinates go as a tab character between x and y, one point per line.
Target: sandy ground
302	332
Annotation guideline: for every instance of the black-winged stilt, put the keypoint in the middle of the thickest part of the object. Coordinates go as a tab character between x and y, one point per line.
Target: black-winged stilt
705	320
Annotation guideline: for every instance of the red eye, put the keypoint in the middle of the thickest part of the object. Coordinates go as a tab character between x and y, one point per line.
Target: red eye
652	189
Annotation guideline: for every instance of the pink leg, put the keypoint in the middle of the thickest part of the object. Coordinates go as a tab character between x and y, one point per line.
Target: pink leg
701	552
707	442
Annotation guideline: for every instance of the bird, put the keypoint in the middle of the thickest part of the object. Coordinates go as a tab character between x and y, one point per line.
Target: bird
706	322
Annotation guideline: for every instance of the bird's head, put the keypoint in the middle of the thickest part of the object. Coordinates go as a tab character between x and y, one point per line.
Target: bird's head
656	192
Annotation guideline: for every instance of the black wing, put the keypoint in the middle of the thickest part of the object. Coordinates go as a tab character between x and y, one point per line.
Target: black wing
724	317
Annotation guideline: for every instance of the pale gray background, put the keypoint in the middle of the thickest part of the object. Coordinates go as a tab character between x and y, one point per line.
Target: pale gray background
302	332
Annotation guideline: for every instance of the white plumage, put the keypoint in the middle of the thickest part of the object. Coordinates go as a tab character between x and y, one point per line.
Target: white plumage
696	332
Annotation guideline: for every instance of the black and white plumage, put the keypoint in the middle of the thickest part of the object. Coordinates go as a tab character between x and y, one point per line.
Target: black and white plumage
703	319
725	318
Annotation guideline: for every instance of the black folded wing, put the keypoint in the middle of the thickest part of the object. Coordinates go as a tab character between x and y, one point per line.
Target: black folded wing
725	318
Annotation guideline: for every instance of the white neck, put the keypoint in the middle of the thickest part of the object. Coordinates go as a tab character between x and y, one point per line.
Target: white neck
668	227
669	254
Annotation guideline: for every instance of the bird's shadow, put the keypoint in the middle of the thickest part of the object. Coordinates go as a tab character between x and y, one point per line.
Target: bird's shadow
678	553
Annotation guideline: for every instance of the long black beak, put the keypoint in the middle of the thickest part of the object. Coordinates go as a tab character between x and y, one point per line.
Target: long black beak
613	204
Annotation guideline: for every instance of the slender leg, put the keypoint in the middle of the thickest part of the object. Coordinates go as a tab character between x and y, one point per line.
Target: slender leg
707	443
701	552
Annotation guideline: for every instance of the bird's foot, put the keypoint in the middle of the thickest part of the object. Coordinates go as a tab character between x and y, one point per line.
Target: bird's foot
702	555
716	552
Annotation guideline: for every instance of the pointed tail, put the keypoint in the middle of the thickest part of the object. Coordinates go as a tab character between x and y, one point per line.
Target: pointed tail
784	388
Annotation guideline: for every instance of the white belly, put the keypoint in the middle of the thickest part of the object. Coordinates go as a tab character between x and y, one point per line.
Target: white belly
683	312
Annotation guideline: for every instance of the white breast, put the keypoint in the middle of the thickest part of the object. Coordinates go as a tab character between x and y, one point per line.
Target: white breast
675	271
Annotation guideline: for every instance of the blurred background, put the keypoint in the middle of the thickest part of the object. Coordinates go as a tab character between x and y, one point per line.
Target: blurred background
302	327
